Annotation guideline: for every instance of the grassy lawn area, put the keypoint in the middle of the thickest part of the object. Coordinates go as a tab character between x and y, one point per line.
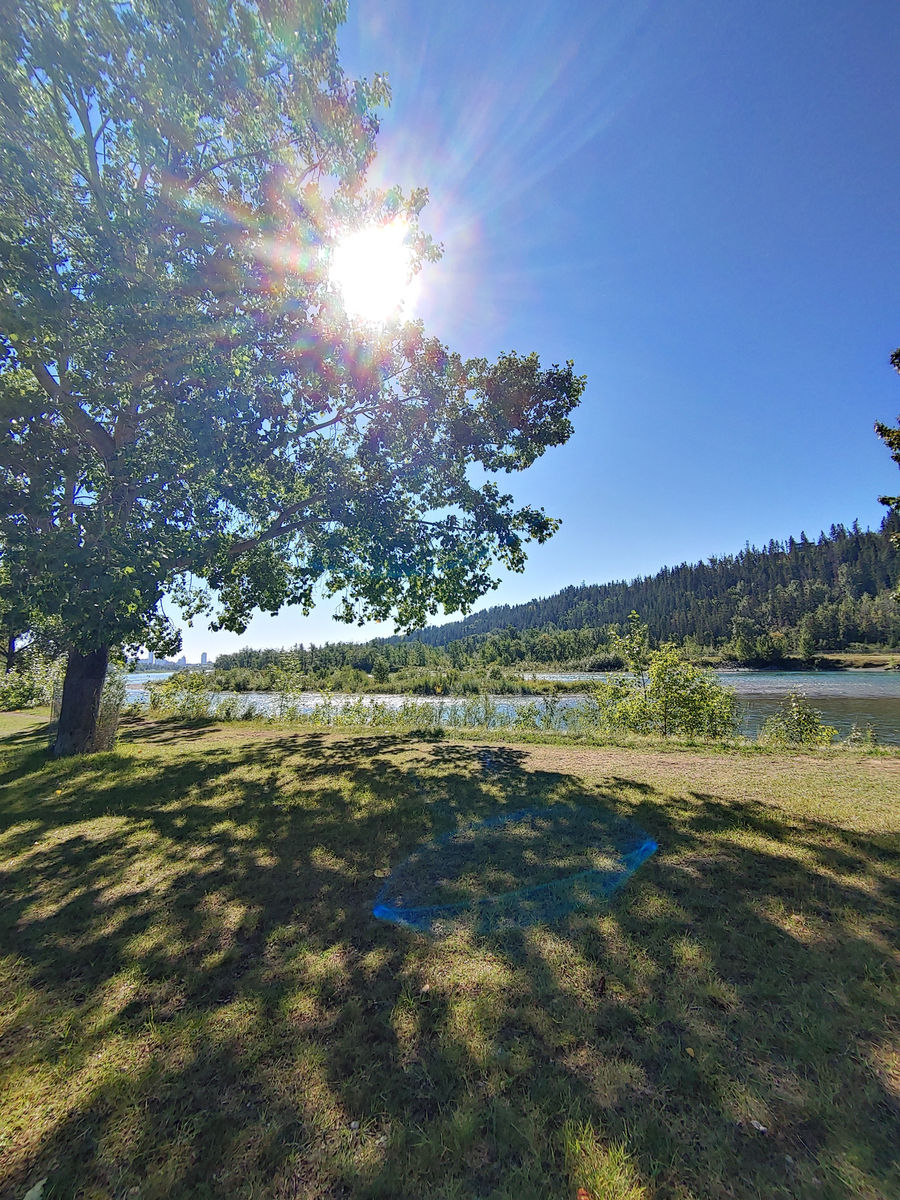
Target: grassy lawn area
195	1000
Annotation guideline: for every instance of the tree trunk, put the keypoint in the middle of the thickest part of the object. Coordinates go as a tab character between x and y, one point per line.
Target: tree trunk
77	729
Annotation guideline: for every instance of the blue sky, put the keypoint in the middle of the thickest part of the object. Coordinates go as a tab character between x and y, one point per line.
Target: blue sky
698	203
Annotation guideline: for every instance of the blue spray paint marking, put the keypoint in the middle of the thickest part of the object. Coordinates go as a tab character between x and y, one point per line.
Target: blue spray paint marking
514	869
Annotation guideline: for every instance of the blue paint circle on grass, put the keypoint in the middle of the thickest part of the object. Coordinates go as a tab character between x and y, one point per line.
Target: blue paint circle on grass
519	868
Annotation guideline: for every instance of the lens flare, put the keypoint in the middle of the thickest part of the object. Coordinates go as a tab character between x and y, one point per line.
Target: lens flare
372	269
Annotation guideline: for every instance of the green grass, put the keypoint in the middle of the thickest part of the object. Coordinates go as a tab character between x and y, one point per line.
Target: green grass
196	1002
882	659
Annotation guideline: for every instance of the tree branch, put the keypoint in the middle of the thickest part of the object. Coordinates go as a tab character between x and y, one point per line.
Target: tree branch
94	178
74	415
274	531
280	527
199	176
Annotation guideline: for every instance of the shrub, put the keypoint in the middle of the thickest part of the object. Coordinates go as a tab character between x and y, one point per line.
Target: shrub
112	699
862	737
666	695
185	694
686	699
21	689
797	724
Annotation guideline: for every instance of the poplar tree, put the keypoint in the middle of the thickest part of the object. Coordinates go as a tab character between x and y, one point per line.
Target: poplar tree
189	410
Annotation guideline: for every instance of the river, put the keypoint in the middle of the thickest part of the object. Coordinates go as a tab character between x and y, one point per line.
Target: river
844	698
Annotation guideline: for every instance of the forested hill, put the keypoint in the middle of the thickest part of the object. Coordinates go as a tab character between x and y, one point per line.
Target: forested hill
790	600
830	593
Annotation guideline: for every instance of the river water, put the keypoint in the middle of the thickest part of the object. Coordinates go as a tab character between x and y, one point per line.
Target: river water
844	698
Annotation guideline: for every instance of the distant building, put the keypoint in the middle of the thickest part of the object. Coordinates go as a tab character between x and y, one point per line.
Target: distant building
203	659
182	662
151	659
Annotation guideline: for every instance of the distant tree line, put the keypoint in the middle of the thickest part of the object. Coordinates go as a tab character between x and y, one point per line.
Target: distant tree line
792	599
797	597
370	657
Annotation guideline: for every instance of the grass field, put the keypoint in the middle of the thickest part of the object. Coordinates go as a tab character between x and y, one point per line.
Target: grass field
195	1000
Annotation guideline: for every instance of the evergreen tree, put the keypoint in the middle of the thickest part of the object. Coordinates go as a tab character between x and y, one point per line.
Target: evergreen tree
891	437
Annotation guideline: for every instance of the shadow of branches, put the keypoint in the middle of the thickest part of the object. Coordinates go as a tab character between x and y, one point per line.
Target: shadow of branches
199	1002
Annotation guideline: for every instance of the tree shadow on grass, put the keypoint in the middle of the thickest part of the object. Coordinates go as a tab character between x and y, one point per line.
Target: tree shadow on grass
201	1003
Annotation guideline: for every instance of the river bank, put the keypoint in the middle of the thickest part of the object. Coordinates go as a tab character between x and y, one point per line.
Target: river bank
845	699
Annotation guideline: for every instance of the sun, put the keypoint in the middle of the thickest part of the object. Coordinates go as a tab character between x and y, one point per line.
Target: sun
372	269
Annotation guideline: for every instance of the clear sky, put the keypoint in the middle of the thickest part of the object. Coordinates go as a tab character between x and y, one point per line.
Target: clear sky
696	201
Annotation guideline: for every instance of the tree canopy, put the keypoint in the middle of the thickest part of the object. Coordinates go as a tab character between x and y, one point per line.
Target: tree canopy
190	410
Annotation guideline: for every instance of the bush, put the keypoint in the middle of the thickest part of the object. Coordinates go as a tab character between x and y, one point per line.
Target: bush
185	694
112	700
686	699
666	695
862	737
21	689
798	724
528	717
